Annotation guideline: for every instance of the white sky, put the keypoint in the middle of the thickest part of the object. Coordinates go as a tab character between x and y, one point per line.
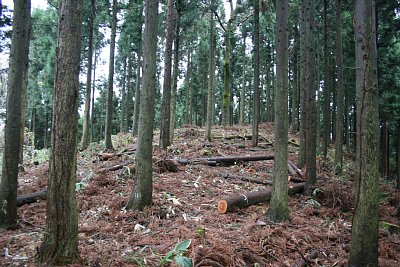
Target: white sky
34	3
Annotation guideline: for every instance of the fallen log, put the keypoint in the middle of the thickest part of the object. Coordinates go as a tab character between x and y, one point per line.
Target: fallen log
252	198
115	167
247	179
31	198
296	169
225	160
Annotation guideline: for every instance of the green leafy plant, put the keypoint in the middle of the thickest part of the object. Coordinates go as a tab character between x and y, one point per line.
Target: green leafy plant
178	254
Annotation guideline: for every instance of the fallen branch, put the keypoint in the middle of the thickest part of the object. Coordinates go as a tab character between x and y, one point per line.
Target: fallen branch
305	260
247	179
31	198
225	160
252	198
115	167
293	142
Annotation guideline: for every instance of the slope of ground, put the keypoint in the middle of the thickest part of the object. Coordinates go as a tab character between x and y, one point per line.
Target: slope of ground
185	207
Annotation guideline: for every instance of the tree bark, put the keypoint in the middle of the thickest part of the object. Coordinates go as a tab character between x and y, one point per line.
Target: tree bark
252	198
110	90
12	130
278	209
226	99
60	245
211	74
302	151
310	96
243	89
364	238
123	98
188	93
326	95
256	55
141	195
93	91
86	112
128	105
340	91
136	108
175	74
166	98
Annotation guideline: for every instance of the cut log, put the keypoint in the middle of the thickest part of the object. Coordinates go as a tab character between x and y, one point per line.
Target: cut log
224	160
247	179
298	171
31	198
253	198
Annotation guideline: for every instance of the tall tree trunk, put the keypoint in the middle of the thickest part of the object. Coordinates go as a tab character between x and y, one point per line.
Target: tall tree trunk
110	90
384	147
175	76
46	131
128	104
123	98
310	98
340	91
211	74
278	209
226	99
23	111
398	156
243	89
141	195
12	130
326	95
303	120
60	244
256	98
166	98
93	91
295	93
188	100
32	127
136	106
364	237
86	112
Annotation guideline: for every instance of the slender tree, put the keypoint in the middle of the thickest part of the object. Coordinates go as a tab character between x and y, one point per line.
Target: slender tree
364	237
242	103
339	90
136	105
12	130
60	245
86	113
278	209
310	97
256	63
110	91
326	104
303	121
141	195
211	73
166	98
175	74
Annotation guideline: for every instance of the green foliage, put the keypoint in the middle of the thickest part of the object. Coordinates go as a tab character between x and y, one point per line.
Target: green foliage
40	156
178	254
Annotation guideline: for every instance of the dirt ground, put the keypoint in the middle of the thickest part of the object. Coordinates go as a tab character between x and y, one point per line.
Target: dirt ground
185	208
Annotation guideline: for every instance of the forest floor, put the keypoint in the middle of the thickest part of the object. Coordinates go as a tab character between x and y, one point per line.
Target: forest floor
185	208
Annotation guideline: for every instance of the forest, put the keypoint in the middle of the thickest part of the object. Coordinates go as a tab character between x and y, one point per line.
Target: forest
200	133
